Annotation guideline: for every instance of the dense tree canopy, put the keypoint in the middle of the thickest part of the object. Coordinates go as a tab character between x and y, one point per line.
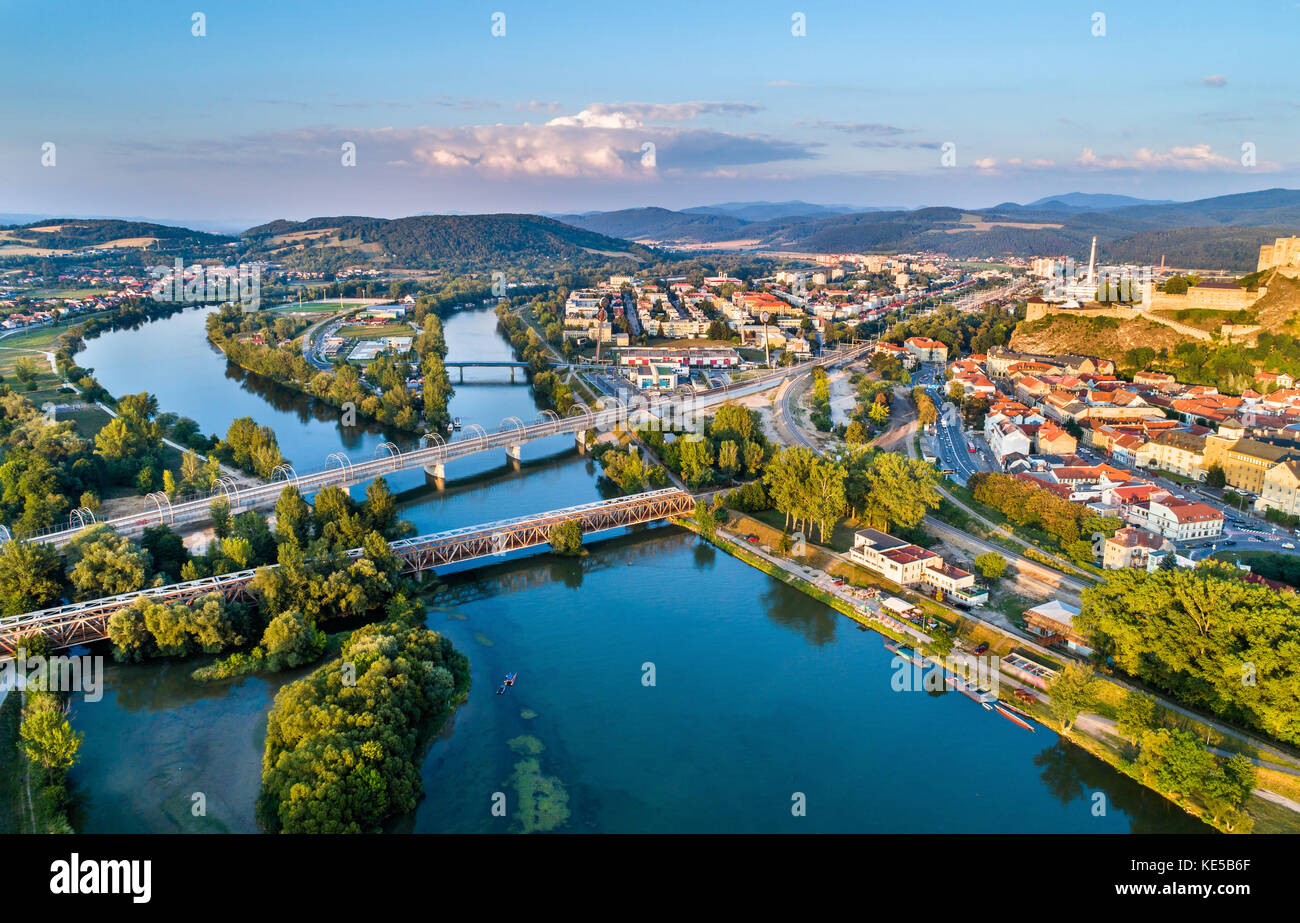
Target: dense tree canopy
1206	636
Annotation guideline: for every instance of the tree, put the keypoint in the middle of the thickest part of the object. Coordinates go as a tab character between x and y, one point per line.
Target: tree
704	518
855	434
103	563
1071	692
220	510
1135	715
728	458
29	577
1215	476
898	490
290	640
292	516
167	551
992	565
47	737
566	537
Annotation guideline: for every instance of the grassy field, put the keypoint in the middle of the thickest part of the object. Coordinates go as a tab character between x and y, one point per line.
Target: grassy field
365	332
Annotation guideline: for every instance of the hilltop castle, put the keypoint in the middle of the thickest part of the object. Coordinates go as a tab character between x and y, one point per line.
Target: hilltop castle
1283	255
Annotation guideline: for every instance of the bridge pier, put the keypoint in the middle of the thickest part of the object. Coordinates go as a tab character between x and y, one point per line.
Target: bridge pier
580	437
516	455
438	472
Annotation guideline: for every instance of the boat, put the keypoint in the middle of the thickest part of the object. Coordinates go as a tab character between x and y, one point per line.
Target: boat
502	689
510	679
455	424
1002	710
1019	711
987	705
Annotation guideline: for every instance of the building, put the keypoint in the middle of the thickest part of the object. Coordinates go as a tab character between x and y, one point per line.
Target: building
907	565
1175	518
1282	488
1053	440
655	375
1005	437
1132	547
1283	255
900	561
691	357
1245	462
1176	451
925	349
1053	621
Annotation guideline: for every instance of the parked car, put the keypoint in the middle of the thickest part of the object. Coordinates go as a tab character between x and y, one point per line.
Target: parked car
752	538
1289	546
981	647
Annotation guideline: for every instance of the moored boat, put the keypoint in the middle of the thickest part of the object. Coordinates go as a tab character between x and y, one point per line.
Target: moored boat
1002	710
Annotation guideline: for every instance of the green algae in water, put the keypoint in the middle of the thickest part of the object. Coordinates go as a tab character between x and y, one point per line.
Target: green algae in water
483	639
528	714
526	745
543	800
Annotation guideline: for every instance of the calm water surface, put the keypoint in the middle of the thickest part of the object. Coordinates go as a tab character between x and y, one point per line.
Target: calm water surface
759	692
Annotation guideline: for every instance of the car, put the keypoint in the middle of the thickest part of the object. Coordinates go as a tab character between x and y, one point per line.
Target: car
981	647
1289	546
839	581
1227	543
752	538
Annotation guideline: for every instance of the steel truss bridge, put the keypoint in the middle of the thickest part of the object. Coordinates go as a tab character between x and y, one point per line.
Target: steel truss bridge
82	623
432	453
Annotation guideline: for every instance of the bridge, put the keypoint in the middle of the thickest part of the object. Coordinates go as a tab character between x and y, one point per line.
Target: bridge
84	622
511	365
432	453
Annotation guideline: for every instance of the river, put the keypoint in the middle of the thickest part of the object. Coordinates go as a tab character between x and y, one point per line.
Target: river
663	685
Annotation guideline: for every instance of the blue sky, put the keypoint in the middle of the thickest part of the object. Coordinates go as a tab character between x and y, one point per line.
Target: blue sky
247	123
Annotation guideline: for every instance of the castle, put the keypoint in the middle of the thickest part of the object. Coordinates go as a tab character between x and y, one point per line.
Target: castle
1283	255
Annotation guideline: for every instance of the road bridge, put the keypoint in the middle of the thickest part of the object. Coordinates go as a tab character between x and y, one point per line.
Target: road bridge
83	622
432	453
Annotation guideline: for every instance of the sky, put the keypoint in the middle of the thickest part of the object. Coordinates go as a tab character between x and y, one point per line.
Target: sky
121	109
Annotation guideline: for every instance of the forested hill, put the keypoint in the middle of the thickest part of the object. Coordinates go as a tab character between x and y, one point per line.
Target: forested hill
425	241
81	233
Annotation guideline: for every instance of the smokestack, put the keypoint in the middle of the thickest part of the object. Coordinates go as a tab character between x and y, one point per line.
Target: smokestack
1092	263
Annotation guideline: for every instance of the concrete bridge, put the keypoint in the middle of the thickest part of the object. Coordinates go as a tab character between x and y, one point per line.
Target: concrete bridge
84	622
511	365
432	453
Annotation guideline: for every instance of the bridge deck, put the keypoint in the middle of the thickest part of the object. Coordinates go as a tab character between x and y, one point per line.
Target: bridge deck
341	471
83	622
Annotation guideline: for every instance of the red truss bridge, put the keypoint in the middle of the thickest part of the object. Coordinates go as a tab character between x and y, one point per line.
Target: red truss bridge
81	623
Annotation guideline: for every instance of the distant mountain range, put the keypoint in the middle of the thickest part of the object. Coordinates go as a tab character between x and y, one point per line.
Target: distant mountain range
1224	231
1221	231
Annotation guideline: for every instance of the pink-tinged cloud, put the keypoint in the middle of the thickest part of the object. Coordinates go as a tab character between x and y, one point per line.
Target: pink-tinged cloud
1187	157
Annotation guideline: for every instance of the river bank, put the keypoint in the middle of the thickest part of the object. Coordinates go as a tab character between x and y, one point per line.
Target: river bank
1093	732
794	693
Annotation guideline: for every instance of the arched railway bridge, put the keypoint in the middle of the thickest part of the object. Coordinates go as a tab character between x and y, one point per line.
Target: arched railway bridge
81	623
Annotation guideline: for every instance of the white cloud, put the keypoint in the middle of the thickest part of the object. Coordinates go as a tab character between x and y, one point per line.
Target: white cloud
1185	157
1215	80
634	115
